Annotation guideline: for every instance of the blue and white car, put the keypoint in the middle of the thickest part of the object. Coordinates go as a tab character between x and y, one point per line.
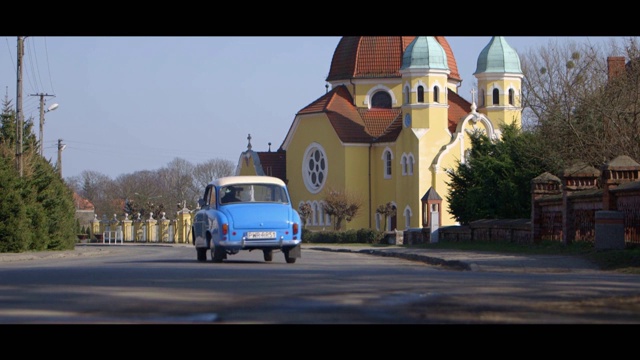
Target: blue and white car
246	213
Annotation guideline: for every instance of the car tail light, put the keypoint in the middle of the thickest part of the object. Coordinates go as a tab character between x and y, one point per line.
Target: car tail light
225	229
295	228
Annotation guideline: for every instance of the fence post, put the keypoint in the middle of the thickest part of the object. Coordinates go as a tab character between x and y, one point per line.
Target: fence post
126	228
138	231
183	224
609	230
95	227
164	228
151	235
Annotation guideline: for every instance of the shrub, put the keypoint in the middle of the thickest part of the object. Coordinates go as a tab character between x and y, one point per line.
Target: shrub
361	236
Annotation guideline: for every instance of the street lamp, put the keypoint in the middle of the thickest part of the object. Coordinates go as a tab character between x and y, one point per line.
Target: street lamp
42	111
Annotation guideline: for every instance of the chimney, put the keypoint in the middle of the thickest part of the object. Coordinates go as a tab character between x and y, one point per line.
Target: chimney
616	65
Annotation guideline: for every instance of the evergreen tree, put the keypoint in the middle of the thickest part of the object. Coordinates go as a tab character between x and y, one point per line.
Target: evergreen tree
14	229
495	181
37	211
53	208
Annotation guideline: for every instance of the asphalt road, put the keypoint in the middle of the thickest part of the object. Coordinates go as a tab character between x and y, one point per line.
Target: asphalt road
153	284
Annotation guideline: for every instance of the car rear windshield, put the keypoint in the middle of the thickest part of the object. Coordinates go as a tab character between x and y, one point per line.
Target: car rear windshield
253	193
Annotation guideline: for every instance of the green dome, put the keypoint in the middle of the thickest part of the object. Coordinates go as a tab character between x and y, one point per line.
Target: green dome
424	52
498	57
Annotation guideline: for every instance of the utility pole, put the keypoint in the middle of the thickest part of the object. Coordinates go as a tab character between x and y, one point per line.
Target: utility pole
41	120
61	147
19	116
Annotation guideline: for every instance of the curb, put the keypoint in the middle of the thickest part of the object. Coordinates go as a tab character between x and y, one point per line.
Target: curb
452	264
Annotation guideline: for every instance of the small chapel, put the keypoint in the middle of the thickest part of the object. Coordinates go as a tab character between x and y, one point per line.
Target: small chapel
388	127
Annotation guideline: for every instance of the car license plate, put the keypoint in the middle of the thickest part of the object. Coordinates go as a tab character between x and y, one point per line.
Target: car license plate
261	235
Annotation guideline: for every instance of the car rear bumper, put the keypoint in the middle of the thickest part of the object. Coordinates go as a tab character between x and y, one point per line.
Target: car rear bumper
249	244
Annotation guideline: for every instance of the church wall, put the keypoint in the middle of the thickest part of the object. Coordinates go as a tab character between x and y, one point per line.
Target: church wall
383	190
247	167
356	172
365	88
314	129
408	186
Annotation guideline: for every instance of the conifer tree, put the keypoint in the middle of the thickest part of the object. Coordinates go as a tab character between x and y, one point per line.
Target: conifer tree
494	183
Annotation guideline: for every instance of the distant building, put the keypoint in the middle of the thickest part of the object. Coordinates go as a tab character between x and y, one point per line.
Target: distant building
85	211
389	127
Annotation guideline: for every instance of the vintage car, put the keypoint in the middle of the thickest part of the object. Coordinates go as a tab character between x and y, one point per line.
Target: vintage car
246	213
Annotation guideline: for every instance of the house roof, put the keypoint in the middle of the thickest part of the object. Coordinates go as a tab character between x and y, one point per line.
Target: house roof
458	108
82	203
354	124
274	164
362	57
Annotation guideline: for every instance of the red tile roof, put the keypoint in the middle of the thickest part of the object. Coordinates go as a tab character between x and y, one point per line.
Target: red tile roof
274	163
377	57
354	124
382	122
451	59
82	203
458	108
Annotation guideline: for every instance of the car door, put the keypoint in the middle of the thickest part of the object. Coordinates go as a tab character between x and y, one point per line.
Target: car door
200	219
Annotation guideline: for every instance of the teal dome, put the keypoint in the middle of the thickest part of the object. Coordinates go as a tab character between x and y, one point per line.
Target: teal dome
424	52
498	57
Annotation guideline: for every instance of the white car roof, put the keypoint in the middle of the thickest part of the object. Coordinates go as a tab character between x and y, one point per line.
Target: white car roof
247	179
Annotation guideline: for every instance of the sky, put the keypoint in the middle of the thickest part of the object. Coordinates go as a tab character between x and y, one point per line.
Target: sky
128	104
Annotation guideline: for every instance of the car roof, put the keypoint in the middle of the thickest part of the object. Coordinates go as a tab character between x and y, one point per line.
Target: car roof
246	179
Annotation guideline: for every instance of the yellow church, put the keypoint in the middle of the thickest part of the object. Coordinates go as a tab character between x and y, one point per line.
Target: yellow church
388	129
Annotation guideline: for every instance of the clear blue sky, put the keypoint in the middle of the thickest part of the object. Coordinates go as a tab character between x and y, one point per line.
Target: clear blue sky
136	103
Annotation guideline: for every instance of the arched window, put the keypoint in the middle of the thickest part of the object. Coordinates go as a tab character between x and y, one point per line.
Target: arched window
403	163
405	95
316	213
327	217
410	161
407	218
420	94
496	97
482	99
436	94
512	97
381	100
387	164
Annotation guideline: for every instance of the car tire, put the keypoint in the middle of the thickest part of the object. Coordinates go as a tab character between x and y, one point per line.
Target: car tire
202	254
268	255
218	254
287	258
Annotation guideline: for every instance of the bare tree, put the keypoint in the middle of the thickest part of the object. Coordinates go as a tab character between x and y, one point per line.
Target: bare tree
146	191
305	213
210	170
176	180
567	100
142	192
387	210
98	189
342	206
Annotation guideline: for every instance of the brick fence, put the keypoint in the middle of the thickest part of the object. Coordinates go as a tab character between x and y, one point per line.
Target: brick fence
564	210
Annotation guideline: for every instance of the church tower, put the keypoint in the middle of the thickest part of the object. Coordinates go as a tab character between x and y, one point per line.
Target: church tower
499	83
424	73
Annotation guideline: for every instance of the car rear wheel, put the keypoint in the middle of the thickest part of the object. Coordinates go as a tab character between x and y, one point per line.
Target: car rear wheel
287	258
268	255
202	254
218	254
